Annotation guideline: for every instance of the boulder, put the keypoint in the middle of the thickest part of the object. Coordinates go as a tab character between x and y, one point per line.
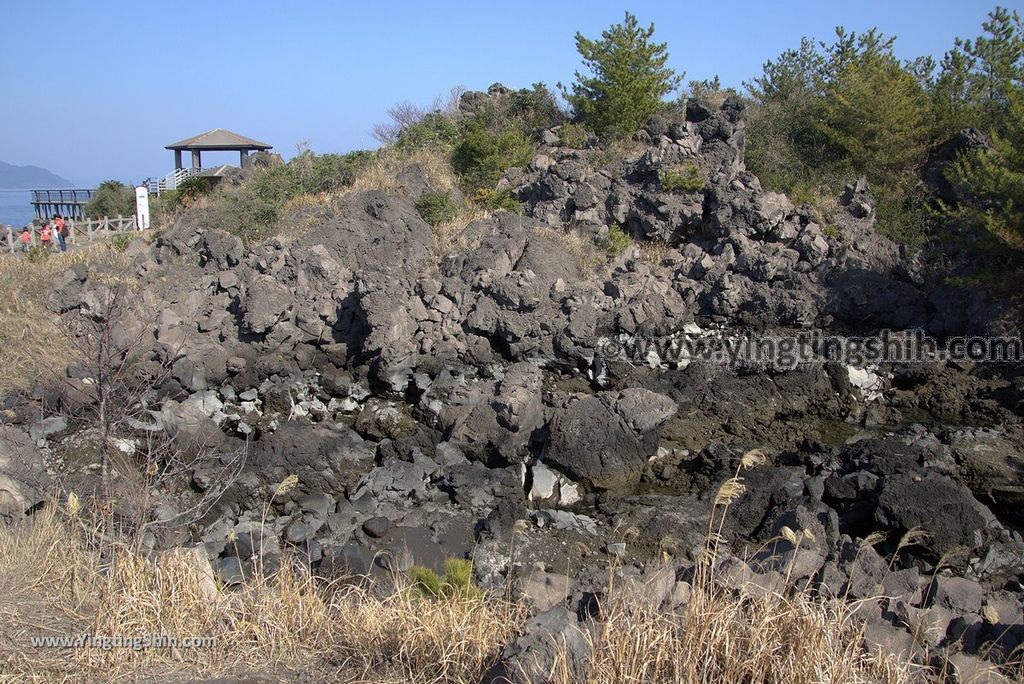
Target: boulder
603	441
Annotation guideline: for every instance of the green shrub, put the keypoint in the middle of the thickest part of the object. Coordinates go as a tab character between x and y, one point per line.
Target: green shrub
484	154
192	188
992	180
433	130
37	254
437	207
498	201
616	242
425	582
457	581
531	108
112	198
252	210
682	178
708	92
119	243
573	136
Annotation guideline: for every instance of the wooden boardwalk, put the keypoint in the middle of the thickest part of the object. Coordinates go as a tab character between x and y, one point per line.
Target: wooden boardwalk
80	232
67	203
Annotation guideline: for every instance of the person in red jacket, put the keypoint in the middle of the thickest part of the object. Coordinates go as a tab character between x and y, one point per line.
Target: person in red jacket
26	239
44	236
61	229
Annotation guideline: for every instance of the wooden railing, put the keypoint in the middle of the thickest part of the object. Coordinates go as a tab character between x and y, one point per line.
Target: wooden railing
171	180
80	232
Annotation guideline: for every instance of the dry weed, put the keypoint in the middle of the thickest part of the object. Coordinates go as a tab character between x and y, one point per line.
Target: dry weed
31	343
653	252
382	172
590	259
285	621
721	636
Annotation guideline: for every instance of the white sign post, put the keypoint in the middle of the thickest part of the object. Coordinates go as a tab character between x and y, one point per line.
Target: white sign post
142	207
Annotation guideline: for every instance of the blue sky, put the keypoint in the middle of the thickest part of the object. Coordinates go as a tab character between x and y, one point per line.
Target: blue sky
95	90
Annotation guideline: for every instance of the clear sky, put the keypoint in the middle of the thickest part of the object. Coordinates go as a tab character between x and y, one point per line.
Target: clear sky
94	90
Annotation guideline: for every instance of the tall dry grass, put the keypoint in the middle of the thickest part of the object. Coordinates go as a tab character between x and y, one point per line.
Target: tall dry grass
382	172
285	622
722	636
32	345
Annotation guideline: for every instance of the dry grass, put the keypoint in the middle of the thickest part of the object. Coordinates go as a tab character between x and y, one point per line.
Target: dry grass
616	151
653	252
590	259
382	172
57	578
31	343
724	636
285	622
447	235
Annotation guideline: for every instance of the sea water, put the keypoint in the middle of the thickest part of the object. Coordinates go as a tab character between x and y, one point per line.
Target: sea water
16	208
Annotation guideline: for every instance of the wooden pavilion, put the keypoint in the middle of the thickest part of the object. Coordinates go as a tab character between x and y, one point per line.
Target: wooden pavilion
217	140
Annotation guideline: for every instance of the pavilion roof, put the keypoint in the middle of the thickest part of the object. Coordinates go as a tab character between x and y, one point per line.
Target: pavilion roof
221	140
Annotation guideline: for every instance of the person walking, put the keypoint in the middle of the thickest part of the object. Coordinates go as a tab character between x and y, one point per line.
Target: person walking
61	228
44	236
26	239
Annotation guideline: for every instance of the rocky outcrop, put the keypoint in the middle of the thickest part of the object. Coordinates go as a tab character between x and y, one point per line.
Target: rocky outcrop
487	403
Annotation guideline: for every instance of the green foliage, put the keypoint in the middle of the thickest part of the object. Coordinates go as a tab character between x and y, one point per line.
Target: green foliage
825	113
573	136
628	79
708	91
437	207
192	188
994	178
681	178
494	135
492	199
253	209
425	582
993	65
310	173
112	198
785	146
456	583
433	130
37	254
617	241
877	114
488	149
119	243
532	108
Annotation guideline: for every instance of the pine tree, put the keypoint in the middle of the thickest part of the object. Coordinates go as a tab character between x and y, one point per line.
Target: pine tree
876	111
952	100
629	79
994	178
998	63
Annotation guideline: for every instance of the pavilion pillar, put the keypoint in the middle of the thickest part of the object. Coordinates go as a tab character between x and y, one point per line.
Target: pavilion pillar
197	162
177	159
242	154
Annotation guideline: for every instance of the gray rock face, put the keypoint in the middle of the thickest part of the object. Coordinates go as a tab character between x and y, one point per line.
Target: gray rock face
265	303
23	478
603	441
548	637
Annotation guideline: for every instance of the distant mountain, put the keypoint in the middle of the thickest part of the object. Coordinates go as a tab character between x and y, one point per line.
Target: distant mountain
29	178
